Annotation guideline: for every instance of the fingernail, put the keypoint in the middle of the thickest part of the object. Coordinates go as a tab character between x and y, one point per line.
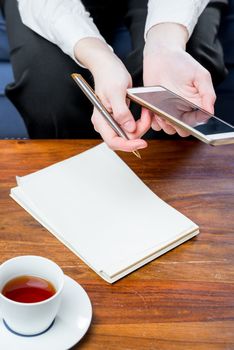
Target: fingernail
129	126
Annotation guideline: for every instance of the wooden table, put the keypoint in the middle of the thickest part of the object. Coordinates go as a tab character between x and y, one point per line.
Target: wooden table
182	300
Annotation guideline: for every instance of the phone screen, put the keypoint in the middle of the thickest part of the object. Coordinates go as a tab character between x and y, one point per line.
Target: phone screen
185	111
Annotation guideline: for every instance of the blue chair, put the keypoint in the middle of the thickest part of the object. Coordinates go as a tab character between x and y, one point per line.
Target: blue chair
11	123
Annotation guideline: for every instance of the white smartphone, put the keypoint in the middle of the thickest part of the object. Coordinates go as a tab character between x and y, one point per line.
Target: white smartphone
201	124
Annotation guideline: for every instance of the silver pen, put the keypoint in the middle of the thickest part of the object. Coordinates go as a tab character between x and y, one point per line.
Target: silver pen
88	91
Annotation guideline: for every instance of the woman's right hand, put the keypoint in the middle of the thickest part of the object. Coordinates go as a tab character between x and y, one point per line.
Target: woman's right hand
111	82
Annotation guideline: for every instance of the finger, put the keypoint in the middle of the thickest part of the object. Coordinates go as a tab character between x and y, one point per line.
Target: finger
169	129
204	85
143	124
181	132
146	112
112	140
155	125
121	112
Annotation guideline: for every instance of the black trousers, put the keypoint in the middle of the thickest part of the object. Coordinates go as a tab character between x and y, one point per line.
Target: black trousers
50	103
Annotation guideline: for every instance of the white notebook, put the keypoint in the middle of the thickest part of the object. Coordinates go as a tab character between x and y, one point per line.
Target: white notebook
98	207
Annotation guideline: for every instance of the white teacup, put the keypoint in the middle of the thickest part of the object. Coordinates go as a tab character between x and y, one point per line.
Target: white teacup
30	318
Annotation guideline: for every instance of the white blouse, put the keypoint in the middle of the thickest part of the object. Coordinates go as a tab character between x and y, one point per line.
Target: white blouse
65	22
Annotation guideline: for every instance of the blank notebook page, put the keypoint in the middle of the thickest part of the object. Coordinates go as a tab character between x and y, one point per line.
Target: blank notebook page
99	207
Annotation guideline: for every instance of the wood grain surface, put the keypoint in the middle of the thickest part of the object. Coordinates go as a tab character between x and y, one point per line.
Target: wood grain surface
182	300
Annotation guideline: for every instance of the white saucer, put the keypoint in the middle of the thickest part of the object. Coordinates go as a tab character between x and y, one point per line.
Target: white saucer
71	323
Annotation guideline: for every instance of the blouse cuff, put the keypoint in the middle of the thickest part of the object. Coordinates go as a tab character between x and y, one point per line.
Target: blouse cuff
182	12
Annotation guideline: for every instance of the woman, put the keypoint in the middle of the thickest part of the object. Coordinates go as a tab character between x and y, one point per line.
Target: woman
74	36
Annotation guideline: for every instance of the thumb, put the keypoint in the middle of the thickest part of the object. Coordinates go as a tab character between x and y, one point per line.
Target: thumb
122	113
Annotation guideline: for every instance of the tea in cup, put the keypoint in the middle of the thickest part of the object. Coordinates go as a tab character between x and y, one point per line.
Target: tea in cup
30	294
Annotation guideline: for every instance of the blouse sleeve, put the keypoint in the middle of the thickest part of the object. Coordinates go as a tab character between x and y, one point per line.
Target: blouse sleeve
184	12
62	22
